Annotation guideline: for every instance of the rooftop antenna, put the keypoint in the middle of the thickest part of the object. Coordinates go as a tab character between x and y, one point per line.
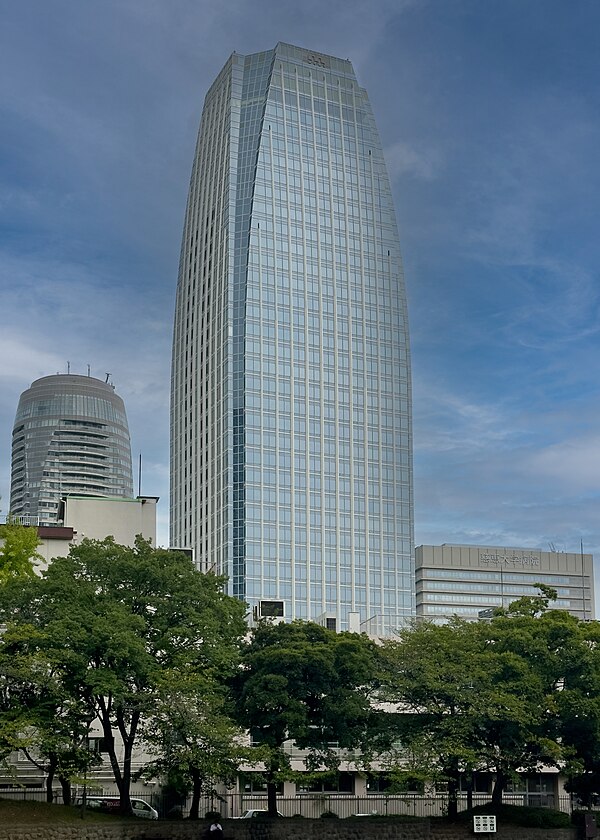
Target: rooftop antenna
583	581
68	367
107	378
88	367
140	476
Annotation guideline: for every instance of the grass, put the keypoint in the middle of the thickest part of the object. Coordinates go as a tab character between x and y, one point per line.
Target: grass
41	813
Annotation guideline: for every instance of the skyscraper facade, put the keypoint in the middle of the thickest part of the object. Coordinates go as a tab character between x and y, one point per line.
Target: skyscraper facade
70	437
291	441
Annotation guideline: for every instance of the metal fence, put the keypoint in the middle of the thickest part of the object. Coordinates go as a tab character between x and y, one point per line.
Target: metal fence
312	805
24	794
346	805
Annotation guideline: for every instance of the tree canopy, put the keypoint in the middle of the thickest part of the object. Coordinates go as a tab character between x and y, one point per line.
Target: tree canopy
304	683
107	622
18	551
136	640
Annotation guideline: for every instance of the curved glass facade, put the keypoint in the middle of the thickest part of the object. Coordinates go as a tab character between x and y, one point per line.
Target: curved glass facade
70	437
291	444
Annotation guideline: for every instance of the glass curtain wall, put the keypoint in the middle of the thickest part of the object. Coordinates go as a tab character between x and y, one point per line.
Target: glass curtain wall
291	409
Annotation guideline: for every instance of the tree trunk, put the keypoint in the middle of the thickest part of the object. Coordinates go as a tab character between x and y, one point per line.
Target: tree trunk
453	774
66	790
470	791
274	766
272	799
196	790
499	785
50	780
49	769
452	799
128	741
122	774
109	742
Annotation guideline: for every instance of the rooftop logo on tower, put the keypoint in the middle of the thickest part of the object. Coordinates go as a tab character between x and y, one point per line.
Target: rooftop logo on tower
316	59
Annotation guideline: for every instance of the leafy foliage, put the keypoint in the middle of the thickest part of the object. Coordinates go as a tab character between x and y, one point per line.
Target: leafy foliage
105	624
483	695
192	736
136	638
18	552
304	683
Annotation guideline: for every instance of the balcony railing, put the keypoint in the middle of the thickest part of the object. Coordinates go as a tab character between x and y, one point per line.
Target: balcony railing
22	519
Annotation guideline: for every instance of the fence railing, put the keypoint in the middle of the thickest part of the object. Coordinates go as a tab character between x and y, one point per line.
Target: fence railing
313	805
346	805
29	794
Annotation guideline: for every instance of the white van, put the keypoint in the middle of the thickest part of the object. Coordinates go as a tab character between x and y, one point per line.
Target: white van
111	804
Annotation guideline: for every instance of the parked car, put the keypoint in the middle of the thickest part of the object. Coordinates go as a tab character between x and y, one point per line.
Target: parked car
255	812
111	805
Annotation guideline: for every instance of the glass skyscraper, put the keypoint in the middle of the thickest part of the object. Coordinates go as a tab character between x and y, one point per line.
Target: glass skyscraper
291	441
70	437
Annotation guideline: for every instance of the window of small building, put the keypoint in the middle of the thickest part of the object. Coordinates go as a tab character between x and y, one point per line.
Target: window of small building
538	783
99	745
340	783
480	782
385	783
255	783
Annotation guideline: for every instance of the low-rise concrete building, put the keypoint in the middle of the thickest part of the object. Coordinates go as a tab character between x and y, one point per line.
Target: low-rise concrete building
96	517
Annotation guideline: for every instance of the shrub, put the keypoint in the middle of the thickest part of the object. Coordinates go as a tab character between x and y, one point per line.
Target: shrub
212	815
522	815
329	815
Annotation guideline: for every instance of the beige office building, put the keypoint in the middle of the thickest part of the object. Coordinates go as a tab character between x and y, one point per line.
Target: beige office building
465	580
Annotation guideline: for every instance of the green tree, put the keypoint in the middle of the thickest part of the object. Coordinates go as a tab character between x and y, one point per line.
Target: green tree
192	735
53	724
16	698
437	680
572	655
532	641
111	619
579	711
476	695
300	682
579	714
59	745
18	551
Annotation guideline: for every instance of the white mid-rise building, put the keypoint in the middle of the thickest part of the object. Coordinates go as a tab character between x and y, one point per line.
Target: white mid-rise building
467	580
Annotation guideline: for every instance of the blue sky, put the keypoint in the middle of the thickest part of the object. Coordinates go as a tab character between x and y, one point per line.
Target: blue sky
489	114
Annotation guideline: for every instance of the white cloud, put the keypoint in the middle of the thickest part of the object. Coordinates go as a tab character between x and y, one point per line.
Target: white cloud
447	421
402	159
572	464
22	359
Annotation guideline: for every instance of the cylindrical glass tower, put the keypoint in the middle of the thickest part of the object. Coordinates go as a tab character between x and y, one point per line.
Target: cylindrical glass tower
70	437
